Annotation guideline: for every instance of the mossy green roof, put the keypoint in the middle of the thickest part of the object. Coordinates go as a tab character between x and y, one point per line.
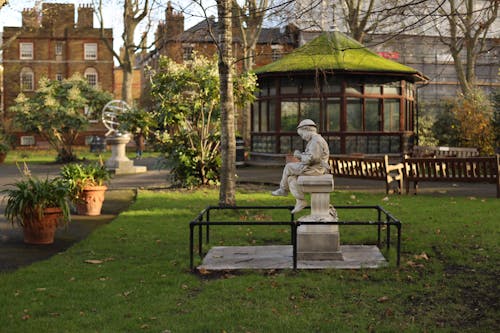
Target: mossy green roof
335	51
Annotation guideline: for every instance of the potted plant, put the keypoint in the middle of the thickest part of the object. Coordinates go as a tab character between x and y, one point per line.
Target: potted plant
4	148
87	187
39	206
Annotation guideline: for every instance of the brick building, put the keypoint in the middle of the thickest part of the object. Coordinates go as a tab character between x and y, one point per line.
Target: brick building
179	44
51	44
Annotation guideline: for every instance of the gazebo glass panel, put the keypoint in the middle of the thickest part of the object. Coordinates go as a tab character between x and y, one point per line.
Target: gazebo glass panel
272	116
289	116
310	87
372	114
391	115
354	88
392	89
310	110
354	114
372	89
256	117
263	118
333	114
332	86
289	86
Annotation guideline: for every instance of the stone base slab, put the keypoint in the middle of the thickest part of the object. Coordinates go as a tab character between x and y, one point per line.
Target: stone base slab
281	257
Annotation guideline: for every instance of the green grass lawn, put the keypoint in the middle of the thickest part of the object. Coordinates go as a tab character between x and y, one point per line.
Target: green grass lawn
43	156
138	279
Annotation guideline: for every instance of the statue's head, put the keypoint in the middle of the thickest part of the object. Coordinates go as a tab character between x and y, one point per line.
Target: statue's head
306	128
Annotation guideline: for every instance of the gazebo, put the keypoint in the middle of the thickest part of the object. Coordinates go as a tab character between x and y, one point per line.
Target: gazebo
361	102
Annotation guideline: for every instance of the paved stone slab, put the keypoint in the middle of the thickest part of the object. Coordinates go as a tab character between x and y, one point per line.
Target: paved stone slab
280	257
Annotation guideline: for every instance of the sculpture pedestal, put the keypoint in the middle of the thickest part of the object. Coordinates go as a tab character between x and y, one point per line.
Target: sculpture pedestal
119	163
318	242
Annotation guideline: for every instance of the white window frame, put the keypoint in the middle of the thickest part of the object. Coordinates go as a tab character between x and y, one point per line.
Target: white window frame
92	76
59	77
25	51
27	140
187	52
27	79
90	51
277	52
59	48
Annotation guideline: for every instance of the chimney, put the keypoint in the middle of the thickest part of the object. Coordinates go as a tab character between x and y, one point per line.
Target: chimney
174	23
85	16
30	18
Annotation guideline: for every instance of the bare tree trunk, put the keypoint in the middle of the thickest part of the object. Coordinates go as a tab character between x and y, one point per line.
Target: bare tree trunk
469	23
228	142
133	14
250	17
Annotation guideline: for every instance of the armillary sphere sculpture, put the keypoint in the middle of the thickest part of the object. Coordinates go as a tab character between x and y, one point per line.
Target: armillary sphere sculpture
110	114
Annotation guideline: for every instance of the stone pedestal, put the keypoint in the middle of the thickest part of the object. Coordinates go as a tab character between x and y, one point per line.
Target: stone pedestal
318	242
119	163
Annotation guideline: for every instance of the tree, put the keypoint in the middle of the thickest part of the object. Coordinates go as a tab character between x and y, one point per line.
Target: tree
250	16
468	25
227	192
134	12
474	116
189	111
363	17
56	112
140	123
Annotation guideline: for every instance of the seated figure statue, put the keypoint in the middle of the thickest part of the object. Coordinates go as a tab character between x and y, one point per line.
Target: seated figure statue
312	162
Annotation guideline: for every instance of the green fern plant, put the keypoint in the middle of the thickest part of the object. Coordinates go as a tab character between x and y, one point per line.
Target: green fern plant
79	176
28	198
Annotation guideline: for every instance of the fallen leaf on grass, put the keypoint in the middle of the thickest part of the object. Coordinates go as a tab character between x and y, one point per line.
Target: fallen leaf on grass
423	255
383	299
98	261
204	271
93	261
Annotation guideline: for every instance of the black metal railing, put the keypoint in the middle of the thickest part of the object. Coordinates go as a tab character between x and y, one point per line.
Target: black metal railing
384	218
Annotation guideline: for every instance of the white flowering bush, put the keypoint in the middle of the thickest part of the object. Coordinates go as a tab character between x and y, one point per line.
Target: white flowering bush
56	112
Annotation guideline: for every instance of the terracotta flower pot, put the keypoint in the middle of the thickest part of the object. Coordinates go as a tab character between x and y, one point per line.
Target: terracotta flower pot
42	231
91	200
2	157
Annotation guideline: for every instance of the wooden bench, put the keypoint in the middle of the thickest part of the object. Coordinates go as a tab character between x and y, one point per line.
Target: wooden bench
454	169
377	168
442	151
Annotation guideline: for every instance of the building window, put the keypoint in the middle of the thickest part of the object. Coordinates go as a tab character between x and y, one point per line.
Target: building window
26	50
90	51
59	48
391	115
187	52
27	79
91	76
276	52
59	77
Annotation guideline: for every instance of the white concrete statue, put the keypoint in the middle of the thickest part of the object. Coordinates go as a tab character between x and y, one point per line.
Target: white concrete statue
312	162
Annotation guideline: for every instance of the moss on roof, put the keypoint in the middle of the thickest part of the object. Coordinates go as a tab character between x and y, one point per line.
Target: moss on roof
334	51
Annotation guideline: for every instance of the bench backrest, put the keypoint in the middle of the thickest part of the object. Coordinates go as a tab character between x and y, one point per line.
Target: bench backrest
442	151
457	169
360	167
